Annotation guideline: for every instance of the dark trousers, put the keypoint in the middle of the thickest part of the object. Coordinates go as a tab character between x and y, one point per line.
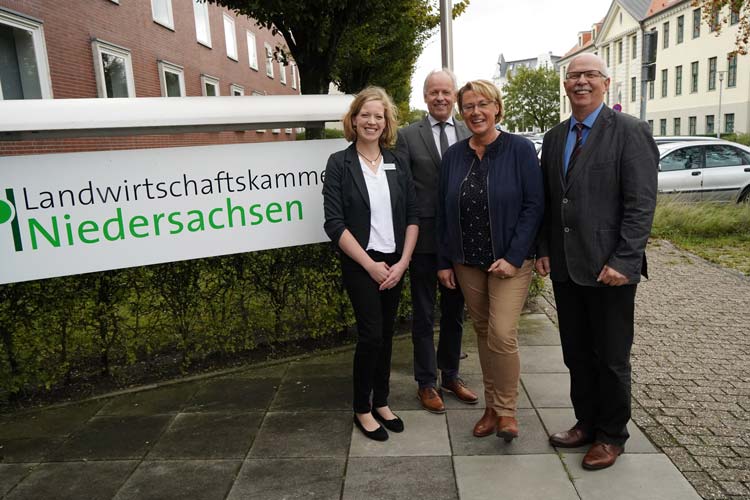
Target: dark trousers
375	313
596	332
423	277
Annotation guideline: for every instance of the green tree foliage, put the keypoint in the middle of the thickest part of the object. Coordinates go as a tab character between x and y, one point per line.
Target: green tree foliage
532	98
350	42
718	14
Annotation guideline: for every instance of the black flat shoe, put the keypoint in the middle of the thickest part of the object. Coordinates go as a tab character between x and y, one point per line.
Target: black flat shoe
378	434
395	425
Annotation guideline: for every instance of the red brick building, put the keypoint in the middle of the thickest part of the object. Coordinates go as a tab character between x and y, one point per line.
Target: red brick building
136	48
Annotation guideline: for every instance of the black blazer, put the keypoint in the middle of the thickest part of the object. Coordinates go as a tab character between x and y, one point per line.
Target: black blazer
347	204
602	213
417	151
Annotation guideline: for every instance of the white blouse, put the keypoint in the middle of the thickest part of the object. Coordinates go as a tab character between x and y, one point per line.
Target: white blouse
381	217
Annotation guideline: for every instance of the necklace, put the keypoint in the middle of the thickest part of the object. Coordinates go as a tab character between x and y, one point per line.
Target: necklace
371	162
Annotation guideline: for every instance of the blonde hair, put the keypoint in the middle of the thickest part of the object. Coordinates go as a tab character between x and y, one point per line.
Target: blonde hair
486	89
373	93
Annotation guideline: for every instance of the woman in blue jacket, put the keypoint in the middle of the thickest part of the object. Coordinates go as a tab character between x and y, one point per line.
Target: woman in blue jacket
371	214
491	202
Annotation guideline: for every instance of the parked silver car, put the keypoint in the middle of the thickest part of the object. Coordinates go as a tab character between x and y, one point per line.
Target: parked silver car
707	170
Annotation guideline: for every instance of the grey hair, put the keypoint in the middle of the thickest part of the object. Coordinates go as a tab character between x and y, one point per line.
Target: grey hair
603	65
448	72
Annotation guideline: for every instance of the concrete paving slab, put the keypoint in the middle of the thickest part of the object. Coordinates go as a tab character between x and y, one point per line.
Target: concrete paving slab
531	439
303	434
520	477
308	370
180	480
413	478
425	434
240	394
113	438
68	480
289	479
52	422
11	474
560	419
633	477
164	400
33	449
208	436
547	390
537	329
542	359
269	371
314	393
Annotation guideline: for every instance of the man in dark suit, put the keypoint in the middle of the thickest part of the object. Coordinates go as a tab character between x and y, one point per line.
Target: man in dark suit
420	147
600	172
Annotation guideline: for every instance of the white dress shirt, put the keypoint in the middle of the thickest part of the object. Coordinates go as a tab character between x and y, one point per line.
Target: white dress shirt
381	217
450	131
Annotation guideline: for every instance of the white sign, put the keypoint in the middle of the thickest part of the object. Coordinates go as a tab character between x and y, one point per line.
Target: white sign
75	213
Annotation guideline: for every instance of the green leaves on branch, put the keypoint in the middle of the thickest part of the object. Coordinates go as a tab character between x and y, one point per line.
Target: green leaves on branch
532	98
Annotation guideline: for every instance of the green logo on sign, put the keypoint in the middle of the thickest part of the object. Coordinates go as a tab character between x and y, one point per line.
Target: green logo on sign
8	213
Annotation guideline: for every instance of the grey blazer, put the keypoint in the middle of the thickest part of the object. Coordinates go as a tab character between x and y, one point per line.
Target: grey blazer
602	213
416	150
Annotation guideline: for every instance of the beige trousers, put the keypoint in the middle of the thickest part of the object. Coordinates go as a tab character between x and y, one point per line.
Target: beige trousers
495	305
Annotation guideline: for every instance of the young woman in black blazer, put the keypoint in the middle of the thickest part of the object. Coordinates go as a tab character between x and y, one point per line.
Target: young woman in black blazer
371	214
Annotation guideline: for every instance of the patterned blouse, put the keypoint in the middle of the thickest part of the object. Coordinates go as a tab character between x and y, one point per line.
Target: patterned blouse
475	216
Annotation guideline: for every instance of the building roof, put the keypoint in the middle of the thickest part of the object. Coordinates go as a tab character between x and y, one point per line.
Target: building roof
637	8
659	5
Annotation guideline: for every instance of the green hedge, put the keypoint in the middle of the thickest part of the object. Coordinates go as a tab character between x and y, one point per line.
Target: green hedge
74	328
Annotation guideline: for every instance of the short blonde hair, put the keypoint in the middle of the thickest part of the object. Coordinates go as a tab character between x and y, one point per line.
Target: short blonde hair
372	93
486	89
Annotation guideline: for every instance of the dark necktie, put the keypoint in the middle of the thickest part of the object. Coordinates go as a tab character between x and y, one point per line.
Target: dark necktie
577	147
443	138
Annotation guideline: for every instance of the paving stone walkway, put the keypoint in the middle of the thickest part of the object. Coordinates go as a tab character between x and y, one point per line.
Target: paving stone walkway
691	369
285	432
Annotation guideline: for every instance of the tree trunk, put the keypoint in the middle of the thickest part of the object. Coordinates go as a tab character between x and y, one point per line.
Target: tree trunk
314	83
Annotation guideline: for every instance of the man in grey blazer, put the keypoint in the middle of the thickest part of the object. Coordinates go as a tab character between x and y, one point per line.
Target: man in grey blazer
600	173
420	147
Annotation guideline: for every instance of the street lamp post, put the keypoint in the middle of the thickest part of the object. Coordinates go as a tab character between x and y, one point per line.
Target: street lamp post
718	118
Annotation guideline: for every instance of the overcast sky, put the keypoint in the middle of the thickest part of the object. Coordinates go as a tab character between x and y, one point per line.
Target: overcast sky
520	29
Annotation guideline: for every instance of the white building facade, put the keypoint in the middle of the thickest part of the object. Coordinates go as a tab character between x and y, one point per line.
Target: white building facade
693	69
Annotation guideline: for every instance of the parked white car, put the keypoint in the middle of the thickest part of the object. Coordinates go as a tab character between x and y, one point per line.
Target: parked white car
705	170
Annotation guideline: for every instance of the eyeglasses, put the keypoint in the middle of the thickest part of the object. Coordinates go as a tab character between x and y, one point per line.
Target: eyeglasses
482	105
588	75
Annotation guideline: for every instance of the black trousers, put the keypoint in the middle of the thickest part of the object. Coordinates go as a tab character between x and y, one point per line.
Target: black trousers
423	277
375	313
596	332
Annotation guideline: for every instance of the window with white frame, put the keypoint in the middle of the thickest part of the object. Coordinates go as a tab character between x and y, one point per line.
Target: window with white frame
236	90
293	71
202	24
114	70
269	60
210	86
24	71
161	12
172	79
276	130
252	50
230	37
282	73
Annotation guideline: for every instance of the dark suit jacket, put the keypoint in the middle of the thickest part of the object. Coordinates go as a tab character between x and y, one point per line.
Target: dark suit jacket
418	152
347	204
602	213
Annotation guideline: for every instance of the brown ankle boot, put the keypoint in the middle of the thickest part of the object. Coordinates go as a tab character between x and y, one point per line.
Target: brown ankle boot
507	428
486	425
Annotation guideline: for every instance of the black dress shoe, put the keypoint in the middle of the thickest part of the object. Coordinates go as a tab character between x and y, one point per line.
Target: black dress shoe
378	434
395	425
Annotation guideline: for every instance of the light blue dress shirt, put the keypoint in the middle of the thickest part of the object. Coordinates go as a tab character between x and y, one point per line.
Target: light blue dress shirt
588	122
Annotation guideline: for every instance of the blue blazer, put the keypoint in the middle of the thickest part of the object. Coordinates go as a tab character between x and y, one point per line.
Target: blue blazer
346	202
516	199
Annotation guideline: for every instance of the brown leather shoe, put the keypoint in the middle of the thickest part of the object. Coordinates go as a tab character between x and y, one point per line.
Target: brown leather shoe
431	400
572	438
487	424
601	455
507	428
459	389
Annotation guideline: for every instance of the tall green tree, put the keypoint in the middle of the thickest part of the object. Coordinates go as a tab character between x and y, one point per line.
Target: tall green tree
717	17
532	98
329	42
